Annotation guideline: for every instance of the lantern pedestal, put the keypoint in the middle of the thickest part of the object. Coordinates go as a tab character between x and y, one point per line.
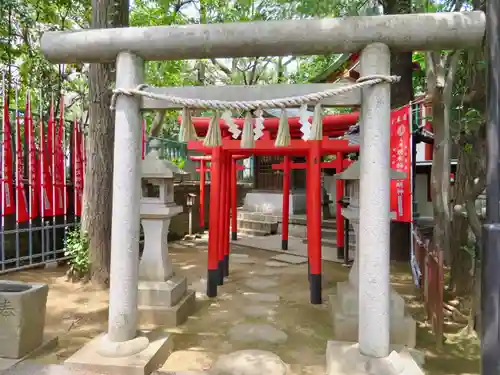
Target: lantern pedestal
345	303
163	297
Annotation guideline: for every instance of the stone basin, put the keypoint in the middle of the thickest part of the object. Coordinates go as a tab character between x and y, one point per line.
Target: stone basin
22	317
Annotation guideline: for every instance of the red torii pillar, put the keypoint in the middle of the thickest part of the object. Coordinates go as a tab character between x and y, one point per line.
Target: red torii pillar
313	150
339	220
202	169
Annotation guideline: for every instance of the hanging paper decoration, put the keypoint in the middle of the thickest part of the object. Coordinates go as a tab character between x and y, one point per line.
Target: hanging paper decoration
187	132
232	127
304	121
247	140
213	137
317	124
283	137
258	130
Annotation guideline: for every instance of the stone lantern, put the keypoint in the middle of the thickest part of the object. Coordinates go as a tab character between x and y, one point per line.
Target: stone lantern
345	302
160	290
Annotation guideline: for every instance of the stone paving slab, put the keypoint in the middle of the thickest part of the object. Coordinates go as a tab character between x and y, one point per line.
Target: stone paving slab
288	258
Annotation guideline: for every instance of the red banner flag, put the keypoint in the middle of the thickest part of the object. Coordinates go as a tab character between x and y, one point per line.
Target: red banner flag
29	132
45	179
61	198
8	206
401	162
78	168
22	213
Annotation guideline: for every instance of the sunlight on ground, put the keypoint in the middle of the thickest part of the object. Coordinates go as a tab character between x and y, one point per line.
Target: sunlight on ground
77	313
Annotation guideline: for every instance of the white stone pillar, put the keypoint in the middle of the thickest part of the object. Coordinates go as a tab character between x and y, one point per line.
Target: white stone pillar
374	223
122	324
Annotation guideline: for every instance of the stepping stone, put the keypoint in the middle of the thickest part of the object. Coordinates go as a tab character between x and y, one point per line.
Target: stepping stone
268	272
248	332
262	297
249	362
259	283
256	311
273	263
241	259
288	258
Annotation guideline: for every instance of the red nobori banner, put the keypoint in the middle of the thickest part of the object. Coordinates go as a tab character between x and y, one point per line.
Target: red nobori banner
401	162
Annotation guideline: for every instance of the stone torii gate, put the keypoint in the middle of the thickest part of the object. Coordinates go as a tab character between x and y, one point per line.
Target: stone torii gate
130	47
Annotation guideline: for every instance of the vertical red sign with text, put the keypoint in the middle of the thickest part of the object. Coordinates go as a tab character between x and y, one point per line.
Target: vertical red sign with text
401	162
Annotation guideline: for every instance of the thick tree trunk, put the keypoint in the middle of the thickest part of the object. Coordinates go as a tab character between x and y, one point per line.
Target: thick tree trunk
100	142
401	94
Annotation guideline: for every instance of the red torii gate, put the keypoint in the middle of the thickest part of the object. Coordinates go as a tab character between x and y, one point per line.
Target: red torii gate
221	157
333	125
203	159
339	164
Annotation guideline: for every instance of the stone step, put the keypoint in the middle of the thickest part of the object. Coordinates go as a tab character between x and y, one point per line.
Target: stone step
332	243
257	216
332	233
253	232
263	226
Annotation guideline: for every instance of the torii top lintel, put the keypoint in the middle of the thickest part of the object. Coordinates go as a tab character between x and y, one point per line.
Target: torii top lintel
403	32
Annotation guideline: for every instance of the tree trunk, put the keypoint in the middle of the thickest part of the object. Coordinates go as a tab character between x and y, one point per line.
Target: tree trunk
96	221
401	94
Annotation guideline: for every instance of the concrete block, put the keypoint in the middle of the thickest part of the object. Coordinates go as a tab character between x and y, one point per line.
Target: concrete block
143	363
345	358
403	329
162	293
168	316
22	317
347	301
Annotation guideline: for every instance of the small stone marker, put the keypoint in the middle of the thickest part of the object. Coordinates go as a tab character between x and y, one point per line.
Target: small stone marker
249	362
288	258
248	332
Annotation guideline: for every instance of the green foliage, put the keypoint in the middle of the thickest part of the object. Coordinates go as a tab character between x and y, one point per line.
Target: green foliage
179	162
76	247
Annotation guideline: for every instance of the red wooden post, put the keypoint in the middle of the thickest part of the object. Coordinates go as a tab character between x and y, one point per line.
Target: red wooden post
221	208
227	207
313	197
202	194
234	198
339	219
286	202
213	253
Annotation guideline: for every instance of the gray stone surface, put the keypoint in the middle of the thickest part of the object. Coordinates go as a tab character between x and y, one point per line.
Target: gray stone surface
345	358
88	358
241	259
273	263
32	368
249	362
22	317
269	271
248	332
288	258
260	283
258	311
262	297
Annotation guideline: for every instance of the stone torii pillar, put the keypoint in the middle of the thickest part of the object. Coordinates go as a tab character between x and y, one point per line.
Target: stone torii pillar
123	346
